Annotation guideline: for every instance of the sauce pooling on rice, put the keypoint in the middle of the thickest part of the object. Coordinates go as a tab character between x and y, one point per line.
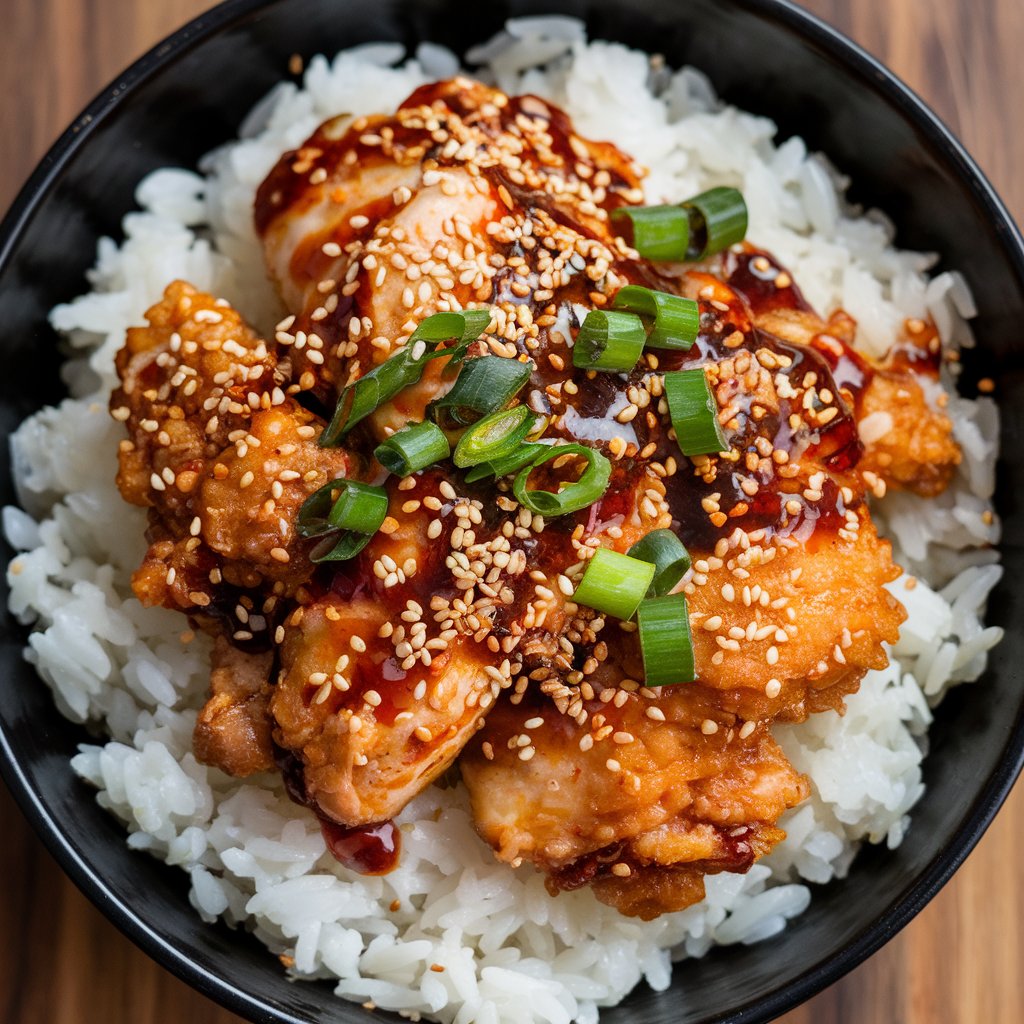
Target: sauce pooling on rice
453	637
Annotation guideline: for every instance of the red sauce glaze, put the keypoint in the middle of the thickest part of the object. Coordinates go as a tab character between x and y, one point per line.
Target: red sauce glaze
368	849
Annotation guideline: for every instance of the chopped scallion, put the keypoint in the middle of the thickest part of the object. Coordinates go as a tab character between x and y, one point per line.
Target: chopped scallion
665	642
344	514
413	448
718	219
339	546
360	507
508	464
694	230
614	584
570	497
658	233
609	341
694	413
676	320
483	386
670	558
383	382
462	327
494	437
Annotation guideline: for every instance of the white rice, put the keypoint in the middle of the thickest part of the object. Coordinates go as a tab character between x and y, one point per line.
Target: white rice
510	952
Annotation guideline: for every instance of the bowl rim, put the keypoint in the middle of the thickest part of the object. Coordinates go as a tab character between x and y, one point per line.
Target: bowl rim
814	31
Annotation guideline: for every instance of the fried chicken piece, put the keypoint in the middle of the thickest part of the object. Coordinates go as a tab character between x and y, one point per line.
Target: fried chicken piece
372	226
383	680
661	878
909	443
233	728
652	792
370	735
217	451
223	459
801	627
906	444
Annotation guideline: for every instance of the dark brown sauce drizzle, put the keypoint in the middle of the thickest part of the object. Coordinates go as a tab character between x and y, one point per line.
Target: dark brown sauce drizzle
368	849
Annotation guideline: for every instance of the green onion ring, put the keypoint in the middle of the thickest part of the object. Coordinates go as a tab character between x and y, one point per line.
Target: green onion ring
665	641
609	341
676	319
574	496
484	385
614	584
383	382
658	233
670	558
413	448
494	436
694	413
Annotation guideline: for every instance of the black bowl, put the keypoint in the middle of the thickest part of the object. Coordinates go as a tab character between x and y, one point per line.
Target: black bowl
188	95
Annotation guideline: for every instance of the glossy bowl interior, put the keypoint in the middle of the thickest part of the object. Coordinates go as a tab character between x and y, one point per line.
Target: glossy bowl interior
189	95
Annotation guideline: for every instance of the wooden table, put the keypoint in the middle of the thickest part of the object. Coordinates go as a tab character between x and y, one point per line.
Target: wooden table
959	962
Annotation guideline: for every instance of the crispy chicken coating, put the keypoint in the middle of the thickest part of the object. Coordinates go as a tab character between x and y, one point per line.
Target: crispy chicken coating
369	743
908	440
233	729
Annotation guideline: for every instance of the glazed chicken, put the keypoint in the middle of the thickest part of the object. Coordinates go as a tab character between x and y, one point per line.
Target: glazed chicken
453	637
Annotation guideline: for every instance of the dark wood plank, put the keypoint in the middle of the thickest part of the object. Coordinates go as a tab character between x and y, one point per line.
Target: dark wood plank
957	963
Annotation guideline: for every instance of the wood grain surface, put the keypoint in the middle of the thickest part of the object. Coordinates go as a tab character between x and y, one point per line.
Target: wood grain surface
959	962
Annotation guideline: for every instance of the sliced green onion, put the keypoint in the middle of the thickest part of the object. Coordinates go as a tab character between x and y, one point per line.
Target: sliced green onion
508	464
483	386
694	413
572	497
614	584
462	327
493	437
659	233
339	547
413	448
359	507
345	514
665	643
383	382
670	558
718	219
312	519
609	341
676	319
694	230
